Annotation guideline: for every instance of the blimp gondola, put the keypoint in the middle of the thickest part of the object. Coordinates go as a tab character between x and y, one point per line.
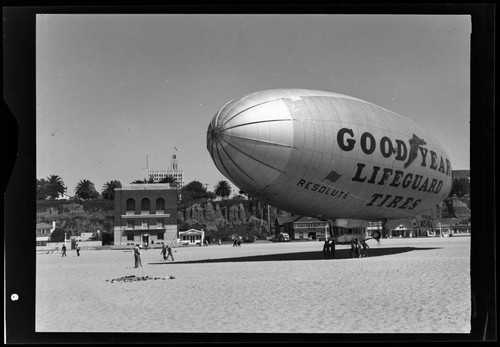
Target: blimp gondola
328	155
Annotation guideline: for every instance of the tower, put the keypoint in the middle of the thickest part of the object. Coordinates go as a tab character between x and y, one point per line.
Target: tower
173	171
173	163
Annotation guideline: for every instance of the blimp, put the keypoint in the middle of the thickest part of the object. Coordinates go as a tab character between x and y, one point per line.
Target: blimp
328	155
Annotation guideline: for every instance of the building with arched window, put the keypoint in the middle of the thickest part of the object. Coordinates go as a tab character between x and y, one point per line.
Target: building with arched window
145	214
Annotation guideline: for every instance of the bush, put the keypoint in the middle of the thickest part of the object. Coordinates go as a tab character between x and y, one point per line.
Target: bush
57	235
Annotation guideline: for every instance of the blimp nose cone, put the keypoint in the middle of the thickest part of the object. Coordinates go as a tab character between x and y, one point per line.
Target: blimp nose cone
250	142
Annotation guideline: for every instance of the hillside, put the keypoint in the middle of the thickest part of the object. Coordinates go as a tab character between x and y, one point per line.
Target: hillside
225	218
221	219
76	216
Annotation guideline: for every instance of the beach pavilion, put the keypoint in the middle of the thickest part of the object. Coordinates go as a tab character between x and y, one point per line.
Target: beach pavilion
191	237
400	228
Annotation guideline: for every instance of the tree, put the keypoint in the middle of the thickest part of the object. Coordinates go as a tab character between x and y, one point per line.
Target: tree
143	181
184	226
193	191
169	179
54	186
108	189
41	189
138	182
460	187
107	238
223	189
210	195
57	235
85	190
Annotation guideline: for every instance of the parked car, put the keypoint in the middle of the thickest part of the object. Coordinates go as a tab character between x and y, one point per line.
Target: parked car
282	237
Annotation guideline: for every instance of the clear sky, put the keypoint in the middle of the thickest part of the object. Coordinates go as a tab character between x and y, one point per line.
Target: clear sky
113	89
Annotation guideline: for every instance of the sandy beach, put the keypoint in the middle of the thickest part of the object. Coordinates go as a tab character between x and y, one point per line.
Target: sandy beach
404	286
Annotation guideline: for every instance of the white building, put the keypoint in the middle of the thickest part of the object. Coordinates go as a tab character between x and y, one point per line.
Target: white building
191	237
173	171
43	231
84	237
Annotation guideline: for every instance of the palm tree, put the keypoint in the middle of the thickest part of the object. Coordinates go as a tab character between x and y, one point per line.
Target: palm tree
55	186
108	189
222	189
85	190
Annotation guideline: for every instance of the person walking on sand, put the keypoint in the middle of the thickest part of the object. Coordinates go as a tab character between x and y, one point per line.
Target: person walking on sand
359	248
64	251
169	253
365	248
332	247
137	256
356	248
164	252
326	248
353	248
77	250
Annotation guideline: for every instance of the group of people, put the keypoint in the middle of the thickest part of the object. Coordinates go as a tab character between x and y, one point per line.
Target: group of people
359	249
237	242
77	248
166	251
329	248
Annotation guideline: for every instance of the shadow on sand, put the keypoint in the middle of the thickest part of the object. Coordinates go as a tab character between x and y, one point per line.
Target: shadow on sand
316	255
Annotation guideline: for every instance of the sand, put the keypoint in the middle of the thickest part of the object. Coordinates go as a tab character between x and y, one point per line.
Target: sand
404	286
